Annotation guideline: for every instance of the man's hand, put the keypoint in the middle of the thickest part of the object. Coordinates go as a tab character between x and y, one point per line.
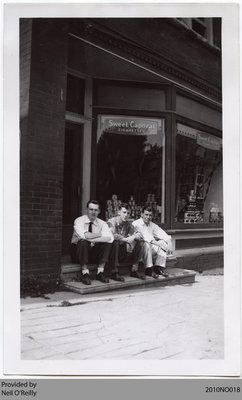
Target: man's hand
119	237
129	239
138	235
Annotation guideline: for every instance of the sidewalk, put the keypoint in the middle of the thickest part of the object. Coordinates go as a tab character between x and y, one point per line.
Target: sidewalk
172	322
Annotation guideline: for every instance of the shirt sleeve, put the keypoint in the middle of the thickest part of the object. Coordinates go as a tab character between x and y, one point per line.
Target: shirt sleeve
79	228
158	233
111	225
106	231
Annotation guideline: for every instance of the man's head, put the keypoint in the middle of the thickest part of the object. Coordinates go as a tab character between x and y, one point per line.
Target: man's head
123	212
146	214
93	209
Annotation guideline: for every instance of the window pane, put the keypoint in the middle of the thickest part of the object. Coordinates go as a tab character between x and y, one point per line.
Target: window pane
130	165
75	94
199	189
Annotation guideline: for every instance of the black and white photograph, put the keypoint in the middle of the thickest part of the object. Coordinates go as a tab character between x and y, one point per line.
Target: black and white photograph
122	186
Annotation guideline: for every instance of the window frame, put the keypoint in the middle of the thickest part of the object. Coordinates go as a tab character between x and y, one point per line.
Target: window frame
204	128
138	113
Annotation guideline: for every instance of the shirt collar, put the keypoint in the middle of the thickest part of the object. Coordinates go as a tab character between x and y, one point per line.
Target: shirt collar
87	221
143	223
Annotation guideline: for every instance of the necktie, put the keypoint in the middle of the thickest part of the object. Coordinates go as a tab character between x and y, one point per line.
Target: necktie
90	227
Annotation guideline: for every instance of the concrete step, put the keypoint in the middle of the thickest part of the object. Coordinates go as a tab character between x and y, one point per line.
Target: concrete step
71	271
176	276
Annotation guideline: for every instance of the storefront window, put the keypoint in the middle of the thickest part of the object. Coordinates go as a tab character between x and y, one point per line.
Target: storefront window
130	165
199	191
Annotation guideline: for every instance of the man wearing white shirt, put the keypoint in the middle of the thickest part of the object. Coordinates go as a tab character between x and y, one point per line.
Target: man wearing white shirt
91	242
156	244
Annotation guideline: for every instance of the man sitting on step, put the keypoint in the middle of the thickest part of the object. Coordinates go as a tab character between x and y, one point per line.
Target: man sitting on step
91	242
156	244
125	241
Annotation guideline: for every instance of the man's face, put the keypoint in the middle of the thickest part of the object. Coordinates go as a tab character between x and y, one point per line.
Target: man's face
123	213
92	211
147	216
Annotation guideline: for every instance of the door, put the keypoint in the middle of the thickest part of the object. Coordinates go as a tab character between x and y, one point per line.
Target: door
72	183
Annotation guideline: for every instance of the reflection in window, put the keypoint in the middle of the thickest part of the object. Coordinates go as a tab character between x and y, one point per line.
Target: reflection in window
130	165
199	193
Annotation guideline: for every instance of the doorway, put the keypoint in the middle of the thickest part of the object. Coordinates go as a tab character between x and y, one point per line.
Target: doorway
72	182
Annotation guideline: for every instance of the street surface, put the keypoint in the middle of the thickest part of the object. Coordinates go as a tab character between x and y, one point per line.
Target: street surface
172	322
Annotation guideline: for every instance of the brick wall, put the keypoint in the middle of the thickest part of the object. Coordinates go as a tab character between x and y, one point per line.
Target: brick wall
42	145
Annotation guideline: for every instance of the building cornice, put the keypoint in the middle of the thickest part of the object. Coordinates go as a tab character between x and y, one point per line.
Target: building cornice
144	56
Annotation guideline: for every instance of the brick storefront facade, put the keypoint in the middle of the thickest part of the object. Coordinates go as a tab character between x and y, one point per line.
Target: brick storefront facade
42	145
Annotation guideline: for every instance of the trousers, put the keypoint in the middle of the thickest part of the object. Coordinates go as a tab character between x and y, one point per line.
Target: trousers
153	255
84	253
119	252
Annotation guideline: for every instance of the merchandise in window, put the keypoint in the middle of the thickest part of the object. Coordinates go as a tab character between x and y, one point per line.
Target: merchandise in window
199	186
130	165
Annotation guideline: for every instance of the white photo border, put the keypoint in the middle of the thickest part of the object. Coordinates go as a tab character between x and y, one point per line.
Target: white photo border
230	365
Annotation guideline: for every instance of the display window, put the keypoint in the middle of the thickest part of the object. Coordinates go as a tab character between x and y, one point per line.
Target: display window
199	185
131	165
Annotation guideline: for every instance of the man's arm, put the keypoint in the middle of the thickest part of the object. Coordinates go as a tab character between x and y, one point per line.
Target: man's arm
101	239
79	228
163	237
91	235
106	234
159	234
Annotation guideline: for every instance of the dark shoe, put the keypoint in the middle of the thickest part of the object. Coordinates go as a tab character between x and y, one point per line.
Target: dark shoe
102	278
136	274
86	279
116	277
150	272
161	271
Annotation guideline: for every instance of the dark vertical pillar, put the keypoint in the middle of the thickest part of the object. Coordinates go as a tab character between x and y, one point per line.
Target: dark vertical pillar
43	84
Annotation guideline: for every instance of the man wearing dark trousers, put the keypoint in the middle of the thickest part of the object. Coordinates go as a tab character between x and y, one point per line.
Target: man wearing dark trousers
91	242
126	240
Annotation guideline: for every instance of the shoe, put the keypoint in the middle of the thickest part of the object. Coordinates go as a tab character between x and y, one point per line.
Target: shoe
102	278
150	272
136	274
116	277
161	271
86	279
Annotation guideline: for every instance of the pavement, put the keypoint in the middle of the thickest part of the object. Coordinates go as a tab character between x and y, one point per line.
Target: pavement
172	322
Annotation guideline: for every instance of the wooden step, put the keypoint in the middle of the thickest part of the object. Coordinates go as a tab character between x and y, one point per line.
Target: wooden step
176	276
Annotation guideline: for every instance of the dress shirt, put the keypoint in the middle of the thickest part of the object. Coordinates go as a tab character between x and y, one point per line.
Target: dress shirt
81	226
151	231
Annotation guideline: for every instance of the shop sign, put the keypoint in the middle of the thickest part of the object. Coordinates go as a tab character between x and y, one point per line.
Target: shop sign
203	139
186	131
131	125
208	141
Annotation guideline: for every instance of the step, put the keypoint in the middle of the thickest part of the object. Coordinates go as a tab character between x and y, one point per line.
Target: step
71	271
176	276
